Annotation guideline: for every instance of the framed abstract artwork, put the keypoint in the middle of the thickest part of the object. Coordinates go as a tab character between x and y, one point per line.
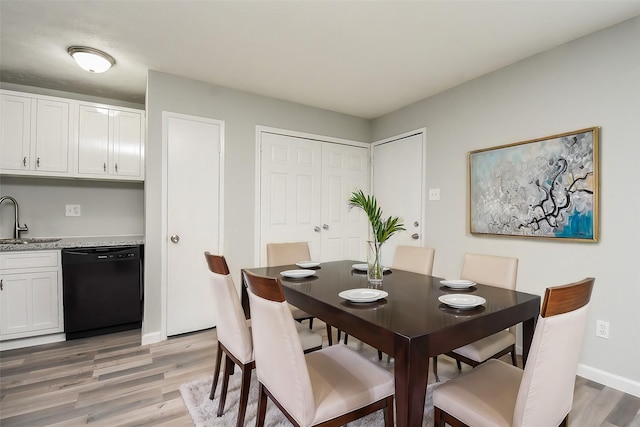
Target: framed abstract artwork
545	188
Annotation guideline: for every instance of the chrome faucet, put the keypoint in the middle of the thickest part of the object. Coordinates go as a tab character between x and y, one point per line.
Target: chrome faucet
17	229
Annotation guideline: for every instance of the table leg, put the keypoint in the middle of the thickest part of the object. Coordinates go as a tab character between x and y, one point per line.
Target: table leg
411	375
528	327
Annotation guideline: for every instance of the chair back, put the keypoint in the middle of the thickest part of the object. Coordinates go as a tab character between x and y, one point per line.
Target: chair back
280	363
416	259
287	253
546	391
490	270
231	327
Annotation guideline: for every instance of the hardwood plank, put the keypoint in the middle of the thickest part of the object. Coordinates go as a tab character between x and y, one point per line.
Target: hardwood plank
113	380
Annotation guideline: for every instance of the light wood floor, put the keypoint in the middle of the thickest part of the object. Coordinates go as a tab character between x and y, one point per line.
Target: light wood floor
112	380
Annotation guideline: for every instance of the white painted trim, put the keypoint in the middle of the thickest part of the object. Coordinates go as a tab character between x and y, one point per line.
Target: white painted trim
258	178
152	338
610	380
31	341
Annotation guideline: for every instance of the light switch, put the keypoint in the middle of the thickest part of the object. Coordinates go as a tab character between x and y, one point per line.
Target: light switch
434	194
72	210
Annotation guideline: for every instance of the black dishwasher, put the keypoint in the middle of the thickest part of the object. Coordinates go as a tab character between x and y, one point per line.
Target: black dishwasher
102	290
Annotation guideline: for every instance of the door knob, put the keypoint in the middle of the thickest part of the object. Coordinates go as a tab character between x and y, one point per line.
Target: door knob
415	236
325	226
316	229
175	238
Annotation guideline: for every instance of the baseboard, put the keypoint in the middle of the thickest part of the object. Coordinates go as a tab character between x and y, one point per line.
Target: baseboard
31	341
151	338
610	380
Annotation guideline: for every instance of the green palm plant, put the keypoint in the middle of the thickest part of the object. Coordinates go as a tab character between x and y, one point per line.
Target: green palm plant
382	229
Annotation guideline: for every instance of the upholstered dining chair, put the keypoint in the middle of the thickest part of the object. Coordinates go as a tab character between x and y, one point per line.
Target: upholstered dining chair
416	259
496	271
234	335
498	394
329	387
291	253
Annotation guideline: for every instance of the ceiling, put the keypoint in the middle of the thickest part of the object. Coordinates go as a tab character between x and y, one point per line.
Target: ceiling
364	58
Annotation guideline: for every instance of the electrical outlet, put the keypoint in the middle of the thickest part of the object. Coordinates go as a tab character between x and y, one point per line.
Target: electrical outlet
602	329
434	194
72	210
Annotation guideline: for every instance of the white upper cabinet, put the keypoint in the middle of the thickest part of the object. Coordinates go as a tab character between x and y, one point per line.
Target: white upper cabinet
110	143
58	137
35	135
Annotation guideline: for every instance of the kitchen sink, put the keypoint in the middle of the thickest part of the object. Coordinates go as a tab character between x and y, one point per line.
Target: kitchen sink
27	240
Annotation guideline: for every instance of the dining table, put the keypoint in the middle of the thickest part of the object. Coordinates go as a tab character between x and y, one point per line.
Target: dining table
410	323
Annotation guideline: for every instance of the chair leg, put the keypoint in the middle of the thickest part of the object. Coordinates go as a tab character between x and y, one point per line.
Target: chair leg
459	365
262	406
437	417
244	393
311	323
435	368
379	355
330	335
228	366
388	412
513	356
339	334
346	338
216	373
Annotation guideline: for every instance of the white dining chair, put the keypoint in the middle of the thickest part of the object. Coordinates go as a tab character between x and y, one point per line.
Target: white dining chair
416	259
290	253
329	387
234	335
498	394
496	271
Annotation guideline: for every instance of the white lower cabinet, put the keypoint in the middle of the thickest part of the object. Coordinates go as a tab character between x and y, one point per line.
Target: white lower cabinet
30	294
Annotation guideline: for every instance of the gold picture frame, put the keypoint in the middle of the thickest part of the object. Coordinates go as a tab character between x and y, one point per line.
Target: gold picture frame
543	188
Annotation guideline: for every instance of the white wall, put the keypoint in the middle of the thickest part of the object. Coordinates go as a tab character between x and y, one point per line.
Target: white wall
241	112
594	81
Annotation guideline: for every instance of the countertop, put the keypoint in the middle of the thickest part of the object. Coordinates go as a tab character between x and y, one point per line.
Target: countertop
76	242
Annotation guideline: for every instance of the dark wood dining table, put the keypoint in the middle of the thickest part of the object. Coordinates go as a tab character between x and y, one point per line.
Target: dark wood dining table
410	324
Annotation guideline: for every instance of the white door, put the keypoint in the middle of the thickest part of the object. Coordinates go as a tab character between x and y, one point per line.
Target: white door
305	185
290	192
344	231
398	184
194	182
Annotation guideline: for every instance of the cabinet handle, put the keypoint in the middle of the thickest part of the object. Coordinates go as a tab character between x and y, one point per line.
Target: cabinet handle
116	167
104	167
1	285
38	162
24	161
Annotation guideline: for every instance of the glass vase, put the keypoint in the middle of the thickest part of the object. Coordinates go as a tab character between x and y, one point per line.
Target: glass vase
374	263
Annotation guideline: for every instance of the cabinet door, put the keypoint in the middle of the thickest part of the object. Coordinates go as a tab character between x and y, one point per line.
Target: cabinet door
93	140
30	303
126	144
52	136
15	137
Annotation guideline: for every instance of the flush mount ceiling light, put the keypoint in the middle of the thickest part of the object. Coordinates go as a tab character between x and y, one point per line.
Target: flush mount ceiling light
90	59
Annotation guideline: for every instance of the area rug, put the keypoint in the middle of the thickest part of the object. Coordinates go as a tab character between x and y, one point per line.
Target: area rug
203	411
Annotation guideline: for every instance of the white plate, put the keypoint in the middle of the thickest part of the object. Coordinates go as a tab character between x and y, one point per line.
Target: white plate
462	301
297	274
363	295
458	284
363	267
307	264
